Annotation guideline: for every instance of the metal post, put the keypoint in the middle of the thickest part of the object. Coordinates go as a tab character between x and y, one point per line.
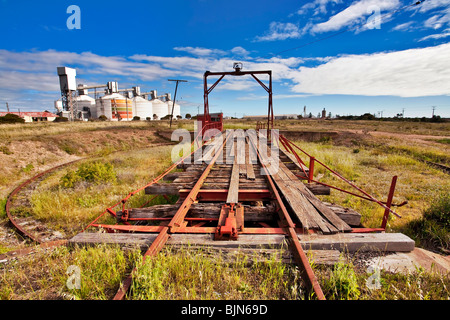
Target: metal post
311	169
389	202
174	99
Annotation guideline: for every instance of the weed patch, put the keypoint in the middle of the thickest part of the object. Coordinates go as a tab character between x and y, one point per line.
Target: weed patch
193	274
432	230
95	172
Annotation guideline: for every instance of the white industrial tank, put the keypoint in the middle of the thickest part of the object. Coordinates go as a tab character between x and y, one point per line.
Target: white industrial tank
176	109
159	108
142	108
115	107
85	103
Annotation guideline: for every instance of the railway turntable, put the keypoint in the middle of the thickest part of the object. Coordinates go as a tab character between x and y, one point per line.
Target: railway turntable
244	188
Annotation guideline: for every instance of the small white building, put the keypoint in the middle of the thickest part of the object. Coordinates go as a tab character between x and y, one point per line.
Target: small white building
33	116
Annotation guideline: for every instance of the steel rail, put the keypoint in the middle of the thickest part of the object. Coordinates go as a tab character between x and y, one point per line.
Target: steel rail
296	248
10	197
175	223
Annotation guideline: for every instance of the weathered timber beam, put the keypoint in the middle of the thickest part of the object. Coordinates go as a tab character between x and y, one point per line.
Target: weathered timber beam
173	188
200	210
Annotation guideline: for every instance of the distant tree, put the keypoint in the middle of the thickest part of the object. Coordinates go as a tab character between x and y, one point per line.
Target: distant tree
310	115
155	117
367	116
179	117
166	117
136	118
102	118
299	116
188	116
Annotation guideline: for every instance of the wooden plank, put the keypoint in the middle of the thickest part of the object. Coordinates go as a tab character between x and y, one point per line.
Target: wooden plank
291	157
348	215
250	173
353	242
323	209
244	241
233	189
201	210
142	240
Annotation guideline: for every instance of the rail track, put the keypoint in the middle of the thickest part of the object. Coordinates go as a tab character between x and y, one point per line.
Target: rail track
26	229
236	188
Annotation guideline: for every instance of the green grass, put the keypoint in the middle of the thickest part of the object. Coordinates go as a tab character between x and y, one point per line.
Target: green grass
2	208
71	198
193	274
372	169
45	276
432	230
341	282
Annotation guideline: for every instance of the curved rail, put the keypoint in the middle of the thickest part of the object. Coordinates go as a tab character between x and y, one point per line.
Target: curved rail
16	225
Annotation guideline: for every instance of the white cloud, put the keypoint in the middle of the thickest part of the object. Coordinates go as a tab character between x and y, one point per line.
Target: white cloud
403	26
239	51
444	34
198	51
280	31
354	14
408	73
31	76
319	6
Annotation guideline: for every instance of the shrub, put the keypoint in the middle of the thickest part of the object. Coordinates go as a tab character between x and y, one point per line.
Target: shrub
136	118
95	172
61	119
102	118
11	118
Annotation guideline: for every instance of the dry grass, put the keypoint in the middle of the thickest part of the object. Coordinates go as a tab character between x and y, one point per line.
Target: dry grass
370	162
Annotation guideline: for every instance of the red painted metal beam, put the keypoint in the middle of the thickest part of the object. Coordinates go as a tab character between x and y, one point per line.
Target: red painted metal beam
207	195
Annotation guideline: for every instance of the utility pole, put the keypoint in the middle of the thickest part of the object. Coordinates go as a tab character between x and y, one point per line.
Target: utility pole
403	112
174	98
7	107
432	116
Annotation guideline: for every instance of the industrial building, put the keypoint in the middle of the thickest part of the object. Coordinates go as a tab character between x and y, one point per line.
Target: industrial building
77	103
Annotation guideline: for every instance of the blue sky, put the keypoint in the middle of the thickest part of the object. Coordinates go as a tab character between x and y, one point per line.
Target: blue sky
349	57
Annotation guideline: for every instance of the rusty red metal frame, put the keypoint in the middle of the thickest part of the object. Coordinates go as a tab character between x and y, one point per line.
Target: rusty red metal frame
386	206
238	72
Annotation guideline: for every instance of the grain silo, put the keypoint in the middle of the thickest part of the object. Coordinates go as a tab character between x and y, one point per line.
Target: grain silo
159	109
176	109
142	108
115	107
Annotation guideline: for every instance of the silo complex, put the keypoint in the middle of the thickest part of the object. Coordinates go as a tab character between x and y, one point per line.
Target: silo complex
115	107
